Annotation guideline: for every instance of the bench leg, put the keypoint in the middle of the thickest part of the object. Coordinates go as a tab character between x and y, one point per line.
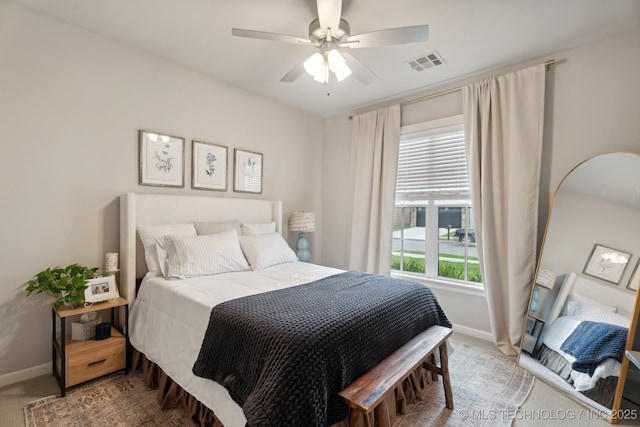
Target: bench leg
444	365
382	415
432	360
354	417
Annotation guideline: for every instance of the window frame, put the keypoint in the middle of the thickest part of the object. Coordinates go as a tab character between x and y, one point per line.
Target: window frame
432	244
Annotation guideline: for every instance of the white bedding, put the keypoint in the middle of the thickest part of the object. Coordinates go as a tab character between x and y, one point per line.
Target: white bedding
555	333
169	318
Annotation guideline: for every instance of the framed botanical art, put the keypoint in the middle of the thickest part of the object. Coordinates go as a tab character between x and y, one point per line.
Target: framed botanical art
635	278
161	159
606	264
209	166
247	174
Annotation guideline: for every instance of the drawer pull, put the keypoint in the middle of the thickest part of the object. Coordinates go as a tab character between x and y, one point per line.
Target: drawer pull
97	362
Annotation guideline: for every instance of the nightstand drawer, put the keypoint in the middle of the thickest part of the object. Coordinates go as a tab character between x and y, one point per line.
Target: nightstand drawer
94	362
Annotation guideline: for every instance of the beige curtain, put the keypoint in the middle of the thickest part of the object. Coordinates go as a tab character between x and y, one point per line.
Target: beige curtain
503	119
375	139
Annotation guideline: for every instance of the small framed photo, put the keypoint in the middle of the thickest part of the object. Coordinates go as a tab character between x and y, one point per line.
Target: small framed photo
606	264
101	289
161	159
209	166
247	172
635	278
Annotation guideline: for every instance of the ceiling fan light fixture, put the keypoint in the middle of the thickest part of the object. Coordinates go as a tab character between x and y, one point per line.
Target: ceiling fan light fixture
336	61
321	64
338	65
322	76
314	64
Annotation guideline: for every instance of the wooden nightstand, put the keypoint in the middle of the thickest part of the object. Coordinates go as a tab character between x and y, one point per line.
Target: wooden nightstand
75	362
533	330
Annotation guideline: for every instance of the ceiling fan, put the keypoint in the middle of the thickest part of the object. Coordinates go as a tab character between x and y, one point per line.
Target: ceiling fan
331	35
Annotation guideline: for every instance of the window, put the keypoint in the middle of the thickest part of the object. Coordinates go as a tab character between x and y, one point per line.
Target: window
434	234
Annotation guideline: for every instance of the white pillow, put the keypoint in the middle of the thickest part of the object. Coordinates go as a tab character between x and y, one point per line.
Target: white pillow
149	234
266	250
580	305
259	228
190	256
604	316
204	227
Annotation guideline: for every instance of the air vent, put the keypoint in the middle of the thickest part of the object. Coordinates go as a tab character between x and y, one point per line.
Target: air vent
426	61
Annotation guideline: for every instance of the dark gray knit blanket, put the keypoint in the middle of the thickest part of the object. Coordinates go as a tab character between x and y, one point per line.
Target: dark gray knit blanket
284	355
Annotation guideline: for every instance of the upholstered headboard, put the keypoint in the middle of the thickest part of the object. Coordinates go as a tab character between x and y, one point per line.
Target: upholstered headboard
606	294
156	209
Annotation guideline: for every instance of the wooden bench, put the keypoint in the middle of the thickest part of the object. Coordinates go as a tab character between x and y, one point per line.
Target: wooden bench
369	392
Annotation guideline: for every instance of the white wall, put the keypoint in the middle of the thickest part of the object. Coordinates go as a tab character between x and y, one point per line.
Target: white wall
71	105
591	107
578	222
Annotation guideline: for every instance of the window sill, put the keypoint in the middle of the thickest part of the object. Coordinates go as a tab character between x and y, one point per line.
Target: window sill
443	285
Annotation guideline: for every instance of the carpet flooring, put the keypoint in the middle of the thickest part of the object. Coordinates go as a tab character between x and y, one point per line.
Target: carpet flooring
487	389
118	400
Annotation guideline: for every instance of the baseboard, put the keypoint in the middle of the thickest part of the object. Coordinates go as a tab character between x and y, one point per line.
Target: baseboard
25	374
476	333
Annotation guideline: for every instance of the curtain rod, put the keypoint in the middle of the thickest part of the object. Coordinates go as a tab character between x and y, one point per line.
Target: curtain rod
547	64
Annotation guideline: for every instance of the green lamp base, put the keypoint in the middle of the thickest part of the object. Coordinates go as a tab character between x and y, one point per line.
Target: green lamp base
303	248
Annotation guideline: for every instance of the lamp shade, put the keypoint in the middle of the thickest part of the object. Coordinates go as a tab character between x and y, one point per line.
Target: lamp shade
314	63
546	278
302	221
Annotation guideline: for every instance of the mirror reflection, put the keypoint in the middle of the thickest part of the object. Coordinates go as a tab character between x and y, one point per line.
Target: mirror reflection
583	300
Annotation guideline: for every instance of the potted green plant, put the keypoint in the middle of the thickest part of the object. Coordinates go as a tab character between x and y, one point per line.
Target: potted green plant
67	285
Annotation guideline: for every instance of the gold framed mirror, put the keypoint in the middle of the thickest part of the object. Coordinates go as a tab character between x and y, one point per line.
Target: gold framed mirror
583	312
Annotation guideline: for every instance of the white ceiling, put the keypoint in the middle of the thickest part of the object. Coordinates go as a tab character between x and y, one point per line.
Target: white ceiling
472	36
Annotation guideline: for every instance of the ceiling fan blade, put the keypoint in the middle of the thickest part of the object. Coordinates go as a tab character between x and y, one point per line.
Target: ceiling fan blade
392	36
329	12
239	32
294	73
359	70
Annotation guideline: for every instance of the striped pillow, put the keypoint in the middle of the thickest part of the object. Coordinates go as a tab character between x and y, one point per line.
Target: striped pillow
190	256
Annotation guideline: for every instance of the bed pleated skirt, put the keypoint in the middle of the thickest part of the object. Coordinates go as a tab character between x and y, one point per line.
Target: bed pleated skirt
171	395
604	390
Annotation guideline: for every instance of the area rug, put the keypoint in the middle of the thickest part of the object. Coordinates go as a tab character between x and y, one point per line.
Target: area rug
117	400
488	387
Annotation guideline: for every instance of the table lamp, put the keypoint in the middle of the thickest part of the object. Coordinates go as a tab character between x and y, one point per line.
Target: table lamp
302	222
546	279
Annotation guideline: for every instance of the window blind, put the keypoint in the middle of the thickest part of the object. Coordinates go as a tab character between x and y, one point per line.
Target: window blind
432	165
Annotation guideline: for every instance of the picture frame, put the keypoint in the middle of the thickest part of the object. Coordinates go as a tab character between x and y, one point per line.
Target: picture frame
208	166
247	171
101	289
635	278
602	264
161	159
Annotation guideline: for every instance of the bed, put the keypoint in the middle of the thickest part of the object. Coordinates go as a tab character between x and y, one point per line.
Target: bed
176	303
582	343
